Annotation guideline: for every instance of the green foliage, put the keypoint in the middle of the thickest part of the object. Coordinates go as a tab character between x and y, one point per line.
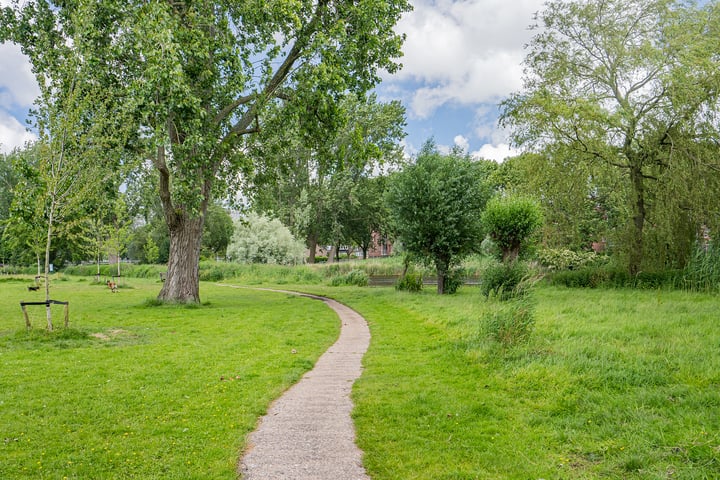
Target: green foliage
555	259
511	221
151	250
609	276
618	103
702	273
357	278
327	190
217	231
504	280
454	279
410	282
435	205
260	239
197	78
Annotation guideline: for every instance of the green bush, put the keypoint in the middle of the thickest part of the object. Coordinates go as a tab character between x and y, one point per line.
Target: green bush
358	278
454	279
261	239
503	280
511	222
410	282
556	259
214	274
614	277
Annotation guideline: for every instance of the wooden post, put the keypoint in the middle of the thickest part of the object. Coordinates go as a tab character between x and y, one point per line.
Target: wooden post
67	307
27	319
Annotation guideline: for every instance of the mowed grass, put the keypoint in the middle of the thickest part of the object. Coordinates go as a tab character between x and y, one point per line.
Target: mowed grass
613	384
146	392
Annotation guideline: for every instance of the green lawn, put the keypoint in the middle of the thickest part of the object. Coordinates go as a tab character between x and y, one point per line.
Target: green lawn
614	384
133	391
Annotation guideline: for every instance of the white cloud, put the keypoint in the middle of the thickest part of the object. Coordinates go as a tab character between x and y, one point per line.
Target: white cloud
17	82
18	91
462	142
463	52
497	153
12	133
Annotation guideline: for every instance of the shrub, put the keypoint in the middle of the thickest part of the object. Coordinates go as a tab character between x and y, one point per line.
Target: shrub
358	278
503	280
264	240
454	280
702	272
410	282
564	259
614	277
214	274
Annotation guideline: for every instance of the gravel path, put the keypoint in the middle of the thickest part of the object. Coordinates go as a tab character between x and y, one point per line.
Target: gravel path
307	433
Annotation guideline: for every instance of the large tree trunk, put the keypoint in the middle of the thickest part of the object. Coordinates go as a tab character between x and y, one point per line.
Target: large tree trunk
182	282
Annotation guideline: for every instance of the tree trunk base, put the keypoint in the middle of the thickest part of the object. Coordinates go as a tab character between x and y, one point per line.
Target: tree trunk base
182	282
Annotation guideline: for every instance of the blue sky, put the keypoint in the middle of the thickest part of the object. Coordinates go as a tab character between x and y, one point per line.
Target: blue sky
461	59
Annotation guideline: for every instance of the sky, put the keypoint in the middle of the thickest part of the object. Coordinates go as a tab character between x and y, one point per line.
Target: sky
461	58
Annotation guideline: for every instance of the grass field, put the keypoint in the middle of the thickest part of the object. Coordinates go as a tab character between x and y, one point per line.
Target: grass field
133	391
615	384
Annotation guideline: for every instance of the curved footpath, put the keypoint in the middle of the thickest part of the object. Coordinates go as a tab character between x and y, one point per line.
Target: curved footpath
307	433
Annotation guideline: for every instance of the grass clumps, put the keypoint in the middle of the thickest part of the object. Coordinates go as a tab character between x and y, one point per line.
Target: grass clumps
503	280
358	278
511	321
410	282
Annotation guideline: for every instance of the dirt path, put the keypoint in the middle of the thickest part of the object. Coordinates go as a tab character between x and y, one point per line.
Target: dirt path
307	433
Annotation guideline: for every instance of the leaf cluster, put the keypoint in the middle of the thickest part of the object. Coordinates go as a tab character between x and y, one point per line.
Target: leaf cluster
436	204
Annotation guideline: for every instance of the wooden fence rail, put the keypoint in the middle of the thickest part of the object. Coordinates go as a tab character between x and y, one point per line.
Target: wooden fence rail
47	304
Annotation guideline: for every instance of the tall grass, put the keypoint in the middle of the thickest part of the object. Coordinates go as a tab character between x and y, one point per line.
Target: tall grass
702	273
255	274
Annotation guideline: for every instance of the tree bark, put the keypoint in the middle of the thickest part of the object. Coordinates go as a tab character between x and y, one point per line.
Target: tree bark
312	246
441	268
183	273
182	282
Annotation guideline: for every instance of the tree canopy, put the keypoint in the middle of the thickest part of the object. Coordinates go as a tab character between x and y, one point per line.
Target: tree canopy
197	77
629	87
326	189
435	206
